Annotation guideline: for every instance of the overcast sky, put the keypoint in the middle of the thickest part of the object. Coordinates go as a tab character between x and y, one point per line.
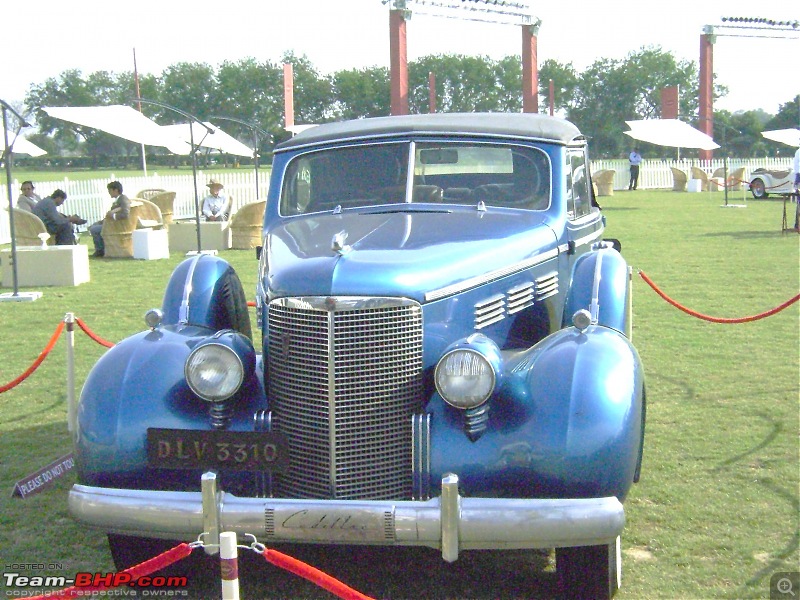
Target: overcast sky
49	37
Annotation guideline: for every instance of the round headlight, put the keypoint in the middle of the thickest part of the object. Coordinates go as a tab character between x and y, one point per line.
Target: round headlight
214	372
464	378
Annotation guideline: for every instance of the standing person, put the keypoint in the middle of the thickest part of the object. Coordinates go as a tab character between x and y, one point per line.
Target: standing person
215	205
635	159
27	199
120	209
56	223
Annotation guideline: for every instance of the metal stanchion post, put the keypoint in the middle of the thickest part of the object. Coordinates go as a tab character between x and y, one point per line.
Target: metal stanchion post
229	566
69	320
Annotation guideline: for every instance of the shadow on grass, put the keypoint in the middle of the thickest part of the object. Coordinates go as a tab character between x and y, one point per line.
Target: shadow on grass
748	235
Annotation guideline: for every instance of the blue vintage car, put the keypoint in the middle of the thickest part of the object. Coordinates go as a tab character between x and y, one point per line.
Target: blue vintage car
446	360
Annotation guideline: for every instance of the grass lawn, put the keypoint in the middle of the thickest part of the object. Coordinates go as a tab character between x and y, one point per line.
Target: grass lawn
716	513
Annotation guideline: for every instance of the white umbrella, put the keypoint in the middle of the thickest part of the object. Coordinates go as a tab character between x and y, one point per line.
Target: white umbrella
121	121
670	132
23	146
790	137
219	140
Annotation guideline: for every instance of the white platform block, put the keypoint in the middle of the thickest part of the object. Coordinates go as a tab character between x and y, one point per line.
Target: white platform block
150	244
214	235
50	266
694	185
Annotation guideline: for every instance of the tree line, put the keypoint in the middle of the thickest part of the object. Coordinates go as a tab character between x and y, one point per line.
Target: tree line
598	100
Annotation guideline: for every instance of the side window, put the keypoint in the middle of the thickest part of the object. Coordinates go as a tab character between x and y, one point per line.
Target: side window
579	197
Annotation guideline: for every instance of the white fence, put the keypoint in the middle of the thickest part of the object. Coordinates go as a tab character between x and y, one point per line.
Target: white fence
656	173
90	198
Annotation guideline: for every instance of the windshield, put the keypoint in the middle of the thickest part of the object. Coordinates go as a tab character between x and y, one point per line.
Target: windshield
501	175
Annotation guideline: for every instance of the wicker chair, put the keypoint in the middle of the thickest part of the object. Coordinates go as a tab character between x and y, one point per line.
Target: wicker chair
118	235
679	180
164	200
27	227
246	225
149	193
736	179
604	180
698	173
149	215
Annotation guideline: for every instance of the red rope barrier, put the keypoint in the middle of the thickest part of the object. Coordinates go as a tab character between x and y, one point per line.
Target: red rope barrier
127	576
313	575
716	319
37	362
92	335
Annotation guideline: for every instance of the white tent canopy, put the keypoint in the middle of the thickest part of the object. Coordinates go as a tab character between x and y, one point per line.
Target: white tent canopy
23	146
790	137
121	121
670	132
219	140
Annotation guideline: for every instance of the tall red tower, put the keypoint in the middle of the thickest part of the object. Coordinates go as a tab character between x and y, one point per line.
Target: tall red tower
706	115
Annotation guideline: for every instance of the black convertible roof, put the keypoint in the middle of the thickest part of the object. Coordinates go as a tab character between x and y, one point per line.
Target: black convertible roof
507	125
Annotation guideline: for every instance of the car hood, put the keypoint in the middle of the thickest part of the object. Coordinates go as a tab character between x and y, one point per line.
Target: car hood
399	253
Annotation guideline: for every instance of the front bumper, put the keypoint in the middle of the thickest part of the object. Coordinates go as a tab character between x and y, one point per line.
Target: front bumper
449	522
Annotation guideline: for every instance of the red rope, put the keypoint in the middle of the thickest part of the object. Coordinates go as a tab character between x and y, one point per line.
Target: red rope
314	575
92	335
37	362
147	567
716	319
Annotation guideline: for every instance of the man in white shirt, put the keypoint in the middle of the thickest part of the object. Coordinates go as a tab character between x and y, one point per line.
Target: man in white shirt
635	159
215	205
27	199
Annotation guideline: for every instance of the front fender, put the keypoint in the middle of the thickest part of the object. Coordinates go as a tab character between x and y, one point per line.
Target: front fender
600	284
567	422
140	383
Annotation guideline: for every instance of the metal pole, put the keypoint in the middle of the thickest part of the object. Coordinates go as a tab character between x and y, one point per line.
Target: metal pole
7	160
194	179
229	566
69	320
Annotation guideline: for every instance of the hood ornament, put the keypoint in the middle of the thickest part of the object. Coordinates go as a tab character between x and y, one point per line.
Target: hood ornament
338	243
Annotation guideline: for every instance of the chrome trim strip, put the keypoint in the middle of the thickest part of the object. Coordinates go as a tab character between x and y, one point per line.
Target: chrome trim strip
482	523
588	238
472	282
183	311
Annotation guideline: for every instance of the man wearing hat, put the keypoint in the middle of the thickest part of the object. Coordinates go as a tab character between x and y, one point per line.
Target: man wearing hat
215	205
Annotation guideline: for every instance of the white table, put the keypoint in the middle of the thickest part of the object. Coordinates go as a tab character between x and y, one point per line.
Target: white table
48	266
214	235
150	244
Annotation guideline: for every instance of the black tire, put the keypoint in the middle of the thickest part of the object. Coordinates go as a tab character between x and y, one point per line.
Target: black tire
758	189
589	572
231	304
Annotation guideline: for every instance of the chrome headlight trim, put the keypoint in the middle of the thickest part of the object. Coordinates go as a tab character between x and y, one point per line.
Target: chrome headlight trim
465	378
214	371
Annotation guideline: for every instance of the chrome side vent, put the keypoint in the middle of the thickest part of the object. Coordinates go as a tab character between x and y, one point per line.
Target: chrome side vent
490	311
546	286
520	297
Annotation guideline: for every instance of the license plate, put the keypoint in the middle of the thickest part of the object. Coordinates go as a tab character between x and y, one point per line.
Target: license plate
231	450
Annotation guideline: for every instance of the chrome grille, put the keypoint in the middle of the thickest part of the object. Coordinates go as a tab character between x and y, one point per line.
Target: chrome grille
344	378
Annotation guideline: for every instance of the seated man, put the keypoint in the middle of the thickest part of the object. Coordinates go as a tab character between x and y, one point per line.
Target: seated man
120	209
56	223
28	198
215	205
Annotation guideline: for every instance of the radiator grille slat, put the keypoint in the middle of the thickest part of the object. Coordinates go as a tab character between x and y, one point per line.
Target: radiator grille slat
344	378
